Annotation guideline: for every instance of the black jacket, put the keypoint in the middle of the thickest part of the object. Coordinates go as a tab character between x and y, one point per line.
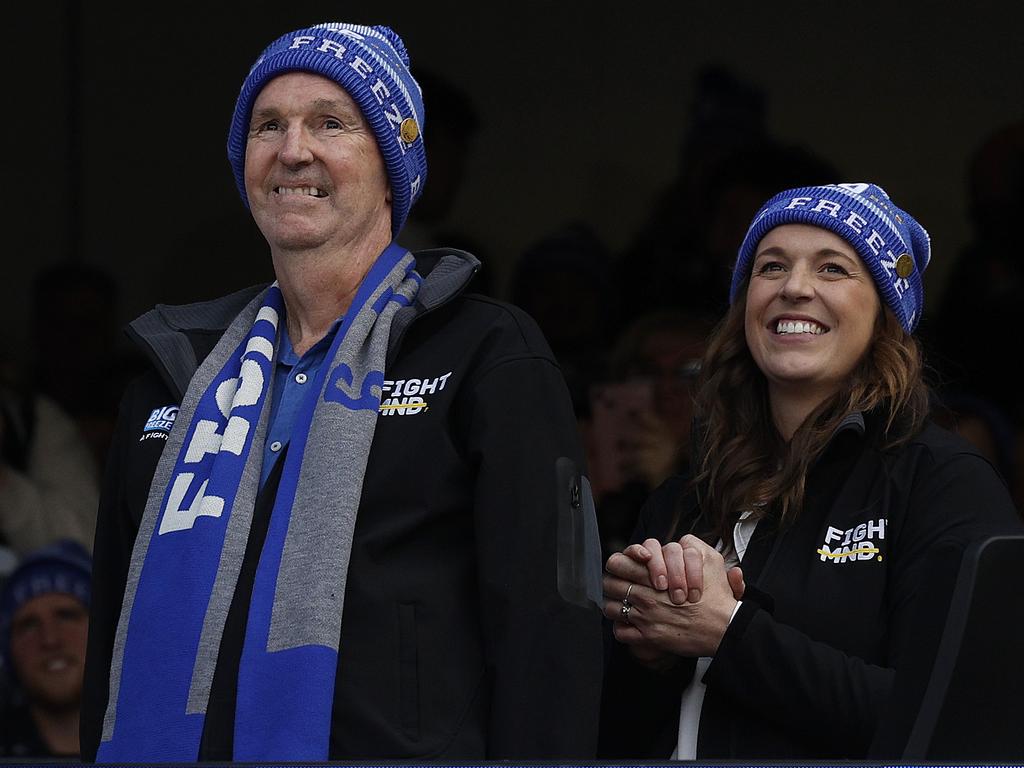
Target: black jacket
455	642
805	668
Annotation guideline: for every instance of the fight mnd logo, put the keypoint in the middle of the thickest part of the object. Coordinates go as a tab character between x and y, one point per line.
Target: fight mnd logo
862	542
404	397
159	422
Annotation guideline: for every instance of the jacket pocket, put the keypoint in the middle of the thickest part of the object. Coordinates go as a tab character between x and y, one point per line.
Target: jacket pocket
408	672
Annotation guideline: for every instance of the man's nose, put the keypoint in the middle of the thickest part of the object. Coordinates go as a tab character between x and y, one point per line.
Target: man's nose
295	149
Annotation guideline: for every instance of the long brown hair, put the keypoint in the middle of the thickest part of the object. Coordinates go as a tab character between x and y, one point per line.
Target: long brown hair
743	463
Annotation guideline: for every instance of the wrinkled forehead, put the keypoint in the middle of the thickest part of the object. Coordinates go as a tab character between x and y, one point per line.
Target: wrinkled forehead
301	88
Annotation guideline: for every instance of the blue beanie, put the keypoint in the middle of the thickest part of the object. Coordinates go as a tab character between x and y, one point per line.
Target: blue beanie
893	246
371	64
63	567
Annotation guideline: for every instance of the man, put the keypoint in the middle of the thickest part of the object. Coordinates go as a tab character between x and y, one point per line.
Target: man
43	624
349	546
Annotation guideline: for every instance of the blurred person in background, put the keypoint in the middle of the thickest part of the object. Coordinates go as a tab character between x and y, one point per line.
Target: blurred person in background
79	359
981	299
653	366
44	622
561	281
49	477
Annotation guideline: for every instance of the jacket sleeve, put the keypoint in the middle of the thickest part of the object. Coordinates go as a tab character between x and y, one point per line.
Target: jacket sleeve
795	681
543	654
116	528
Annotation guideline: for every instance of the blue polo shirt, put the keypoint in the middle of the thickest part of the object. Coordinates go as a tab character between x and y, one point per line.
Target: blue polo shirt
293	376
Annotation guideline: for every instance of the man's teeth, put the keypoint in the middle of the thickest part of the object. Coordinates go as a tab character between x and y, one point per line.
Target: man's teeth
57	665
791	326
311	191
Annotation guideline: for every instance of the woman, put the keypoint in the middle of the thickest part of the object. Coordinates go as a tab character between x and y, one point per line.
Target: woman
819	475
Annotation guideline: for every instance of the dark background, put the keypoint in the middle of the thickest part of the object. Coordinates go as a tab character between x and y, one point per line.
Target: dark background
118	114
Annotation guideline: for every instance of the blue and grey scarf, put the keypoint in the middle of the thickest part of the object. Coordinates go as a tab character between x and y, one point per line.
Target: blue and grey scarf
192	538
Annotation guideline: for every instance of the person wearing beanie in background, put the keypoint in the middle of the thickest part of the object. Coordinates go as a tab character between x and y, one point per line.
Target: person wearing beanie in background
44	619
768	599
330	526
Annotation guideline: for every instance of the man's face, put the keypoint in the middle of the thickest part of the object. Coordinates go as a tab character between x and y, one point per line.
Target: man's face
48	637
314	175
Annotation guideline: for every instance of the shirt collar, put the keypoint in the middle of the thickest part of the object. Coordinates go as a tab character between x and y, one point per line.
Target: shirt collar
286	352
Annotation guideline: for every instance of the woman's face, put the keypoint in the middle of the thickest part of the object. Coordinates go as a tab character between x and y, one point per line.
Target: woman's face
811	311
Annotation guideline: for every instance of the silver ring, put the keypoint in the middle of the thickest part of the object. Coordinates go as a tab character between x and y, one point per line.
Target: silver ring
624	611
628	590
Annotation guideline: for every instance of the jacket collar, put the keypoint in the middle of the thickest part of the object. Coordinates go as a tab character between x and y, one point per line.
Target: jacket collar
178	337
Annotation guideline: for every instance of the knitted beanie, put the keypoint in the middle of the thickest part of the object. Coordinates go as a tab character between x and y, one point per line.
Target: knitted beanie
894	247
372	65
